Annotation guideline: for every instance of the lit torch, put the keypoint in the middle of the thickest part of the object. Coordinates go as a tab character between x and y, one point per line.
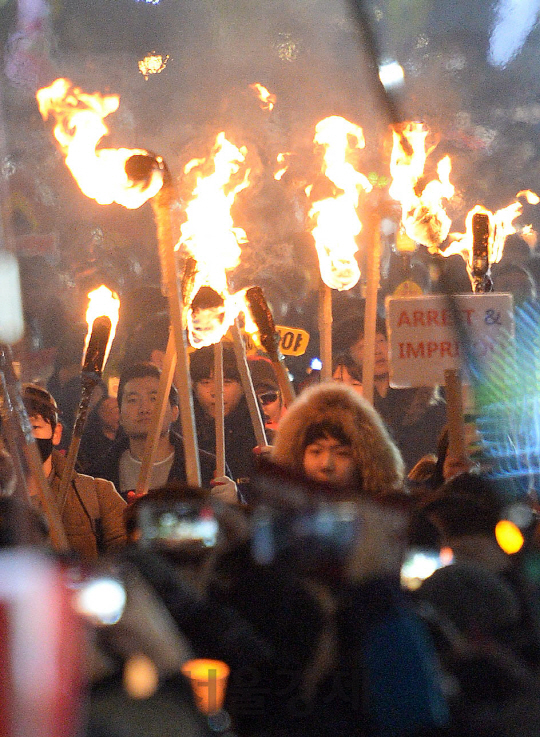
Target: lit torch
210	245
130	178
482	244
423	215
100	173
210	238
334	219
102	319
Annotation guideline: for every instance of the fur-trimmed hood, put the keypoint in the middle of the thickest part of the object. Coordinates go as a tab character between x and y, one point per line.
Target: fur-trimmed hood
378	459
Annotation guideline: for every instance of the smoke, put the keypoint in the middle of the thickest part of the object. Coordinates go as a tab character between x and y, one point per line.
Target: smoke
309	54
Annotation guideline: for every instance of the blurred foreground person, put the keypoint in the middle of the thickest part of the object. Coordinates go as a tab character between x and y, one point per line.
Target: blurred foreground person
483	610
333	435
317	647
93	512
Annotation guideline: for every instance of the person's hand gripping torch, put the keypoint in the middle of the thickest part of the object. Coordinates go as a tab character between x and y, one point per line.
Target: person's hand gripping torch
102	318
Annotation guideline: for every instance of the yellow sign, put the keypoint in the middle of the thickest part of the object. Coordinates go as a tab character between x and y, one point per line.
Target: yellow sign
408	288
292	341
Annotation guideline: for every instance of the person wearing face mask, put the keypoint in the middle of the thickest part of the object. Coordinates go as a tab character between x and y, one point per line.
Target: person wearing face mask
93	511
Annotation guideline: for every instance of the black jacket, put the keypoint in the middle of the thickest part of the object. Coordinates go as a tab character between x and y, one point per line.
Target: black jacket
110	466
239	439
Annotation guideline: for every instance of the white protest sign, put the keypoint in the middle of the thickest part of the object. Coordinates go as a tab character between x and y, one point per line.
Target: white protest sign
424	342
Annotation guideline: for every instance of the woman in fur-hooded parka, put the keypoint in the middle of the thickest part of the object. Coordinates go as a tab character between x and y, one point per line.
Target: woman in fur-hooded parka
379	464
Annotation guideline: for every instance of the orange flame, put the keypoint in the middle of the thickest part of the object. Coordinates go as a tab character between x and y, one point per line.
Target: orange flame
423	215
209	236
501	225
267	99
335	220
280	158
102	303
152	64
79	128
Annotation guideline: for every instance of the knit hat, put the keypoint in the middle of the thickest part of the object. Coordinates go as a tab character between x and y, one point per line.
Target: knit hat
263	374
39	401
201	363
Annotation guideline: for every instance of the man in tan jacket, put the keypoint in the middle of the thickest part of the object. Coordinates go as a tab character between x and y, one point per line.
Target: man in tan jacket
93	513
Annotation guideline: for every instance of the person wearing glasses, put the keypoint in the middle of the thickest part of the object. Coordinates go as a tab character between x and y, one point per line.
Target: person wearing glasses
267	390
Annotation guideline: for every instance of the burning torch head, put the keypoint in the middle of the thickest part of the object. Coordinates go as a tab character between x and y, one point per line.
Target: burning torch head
263	318
94	359
140	167
479	264
480	249
206	313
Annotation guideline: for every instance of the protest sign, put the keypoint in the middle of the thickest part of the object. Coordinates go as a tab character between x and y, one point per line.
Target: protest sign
424	341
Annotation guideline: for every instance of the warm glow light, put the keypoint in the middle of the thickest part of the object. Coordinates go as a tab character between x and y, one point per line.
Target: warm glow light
446	555
501	225
140	677
423	215
100	173
334	219
509	536
268	100
208	680
210	237
102	302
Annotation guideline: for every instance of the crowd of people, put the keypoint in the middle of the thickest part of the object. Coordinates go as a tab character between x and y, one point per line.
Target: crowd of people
296	567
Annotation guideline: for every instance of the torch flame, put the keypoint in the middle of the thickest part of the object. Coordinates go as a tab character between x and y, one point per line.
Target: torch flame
79	128
423	215
280	158
531	197
209	236
335	220
267	99
102	303
501	225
